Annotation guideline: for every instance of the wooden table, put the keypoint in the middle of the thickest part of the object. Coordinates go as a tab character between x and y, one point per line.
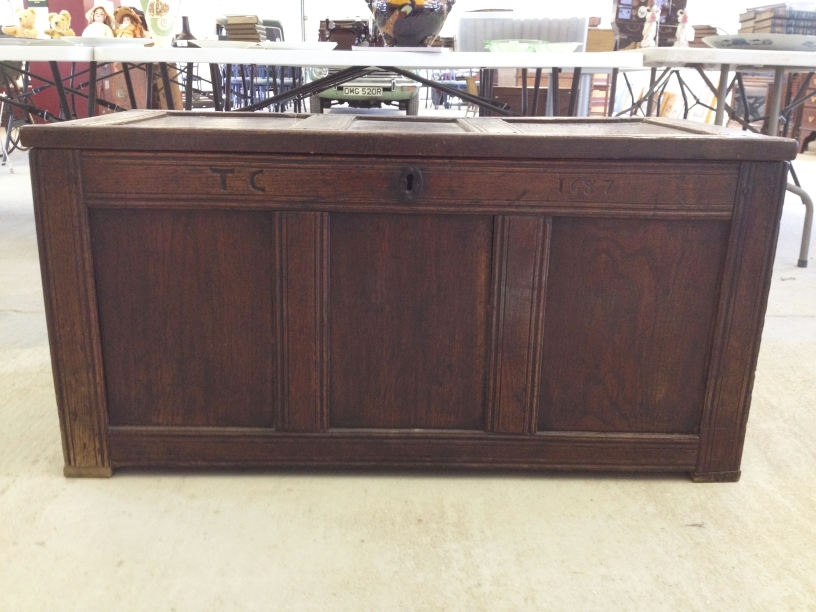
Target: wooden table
350	291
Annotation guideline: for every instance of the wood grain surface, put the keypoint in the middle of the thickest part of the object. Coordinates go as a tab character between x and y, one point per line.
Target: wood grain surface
741	316
186	313
520	262
409	321
70	307
370	184
628	138
630	309
192	447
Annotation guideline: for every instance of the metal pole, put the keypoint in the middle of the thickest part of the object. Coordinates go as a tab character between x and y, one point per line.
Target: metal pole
92	90
573	102
650	99
168	93
554	90
776	102
129	85
536	92
722	90
215	77
149	86
613	90
806	231
228	88
65	110
188	88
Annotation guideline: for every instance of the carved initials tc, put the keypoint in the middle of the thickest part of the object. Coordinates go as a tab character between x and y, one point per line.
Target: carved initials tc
223	173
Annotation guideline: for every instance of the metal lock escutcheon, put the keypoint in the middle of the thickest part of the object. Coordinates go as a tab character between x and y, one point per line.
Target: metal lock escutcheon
411	185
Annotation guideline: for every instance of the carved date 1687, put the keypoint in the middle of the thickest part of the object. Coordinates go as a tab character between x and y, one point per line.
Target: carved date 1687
586	187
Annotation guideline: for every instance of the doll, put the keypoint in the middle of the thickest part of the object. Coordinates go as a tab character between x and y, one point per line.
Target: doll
100	23
130	24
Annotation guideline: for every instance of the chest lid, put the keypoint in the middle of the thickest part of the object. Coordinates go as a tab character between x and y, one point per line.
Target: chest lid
367	135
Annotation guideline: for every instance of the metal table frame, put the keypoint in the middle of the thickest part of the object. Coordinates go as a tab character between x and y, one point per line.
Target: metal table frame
739	60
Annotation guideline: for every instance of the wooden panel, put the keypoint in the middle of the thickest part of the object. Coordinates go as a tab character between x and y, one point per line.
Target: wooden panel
630	309
185	301
73	324
183	447
368	184
740	320
519	286
558	138
409	319
302	279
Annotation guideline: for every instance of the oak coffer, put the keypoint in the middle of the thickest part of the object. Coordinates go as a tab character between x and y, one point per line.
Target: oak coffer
336	290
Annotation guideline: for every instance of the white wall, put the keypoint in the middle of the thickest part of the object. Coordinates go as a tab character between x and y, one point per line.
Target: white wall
7	10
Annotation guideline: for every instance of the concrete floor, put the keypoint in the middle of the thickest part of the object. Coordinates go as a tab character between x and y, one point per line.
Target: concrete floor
351	541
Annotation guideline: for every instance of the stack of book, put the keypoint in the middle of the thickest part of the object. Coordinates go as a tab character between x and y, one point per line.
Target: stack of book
777	19
700	32
245	27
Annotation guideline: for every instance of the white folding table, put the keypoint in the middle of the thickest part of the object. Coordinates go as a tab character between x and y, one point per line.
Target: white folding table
380	59
726	60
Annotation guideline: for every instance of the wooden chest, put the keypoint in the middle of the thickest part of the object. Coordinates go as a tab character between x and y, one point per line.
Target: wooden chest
281	290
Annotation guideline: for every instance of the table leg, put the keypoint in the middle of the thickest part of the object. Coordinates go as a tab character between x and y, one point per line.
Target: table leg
573	103
215	78
523	92
129	85
536	92
149	86
808	228
490	74
65	110
486	86
721	93
92	90
244	88
168	92
188	89
228	88
744	98
556	98
650	99
613	90
776	102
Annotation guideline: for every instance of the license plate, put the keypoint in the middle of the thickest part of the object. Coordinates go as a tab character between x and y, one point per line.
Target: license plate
362	91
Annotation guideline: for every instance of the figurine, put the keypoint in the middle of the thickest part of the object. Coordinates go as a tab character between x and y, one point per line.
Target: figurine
650	26
100	23
26	29
130	24
60	25
682	24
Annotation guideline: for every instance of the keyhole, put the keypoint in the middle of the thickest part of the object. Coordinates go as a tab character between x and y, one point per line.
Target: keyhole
410	185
